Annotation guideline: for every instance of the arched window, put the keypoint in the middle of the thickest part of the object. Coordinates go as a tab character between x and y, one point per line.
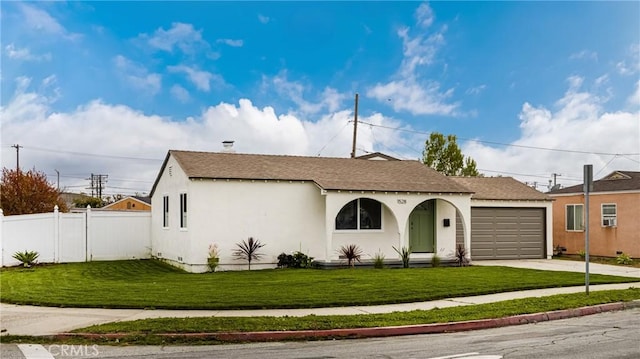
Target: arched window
360	214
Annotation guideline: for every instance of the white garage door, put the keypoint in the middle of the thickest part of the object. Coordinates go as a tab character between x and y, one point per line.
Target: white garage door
507	233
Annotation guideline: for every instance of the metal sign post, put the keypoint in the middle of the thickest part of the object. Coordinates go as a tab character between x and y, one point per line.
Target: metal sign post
588	187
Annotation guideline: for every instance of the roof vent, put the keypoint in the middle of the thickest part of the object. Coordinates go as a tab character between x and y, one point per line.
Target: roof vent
228	147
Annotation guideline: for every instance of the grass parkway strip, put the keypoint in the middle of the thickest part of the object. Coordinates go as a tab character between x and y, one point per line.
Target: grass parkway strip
152	284
153	331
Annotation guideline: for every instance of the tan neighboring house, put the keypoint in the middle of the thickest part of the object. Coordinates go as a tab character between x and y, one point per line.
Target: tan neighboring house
130	203
509	220
614	216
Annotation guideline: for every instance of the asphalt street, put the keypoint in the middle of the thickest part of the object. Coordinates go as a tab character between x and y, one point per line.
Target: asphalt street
605	335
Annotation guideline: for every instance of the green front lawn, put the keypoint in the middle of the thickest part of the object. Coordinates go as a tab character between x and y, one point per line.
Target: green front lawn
151	284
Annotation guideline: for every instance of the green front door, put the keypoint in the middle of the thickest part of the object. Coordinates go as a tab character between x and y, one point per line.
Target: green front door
421	229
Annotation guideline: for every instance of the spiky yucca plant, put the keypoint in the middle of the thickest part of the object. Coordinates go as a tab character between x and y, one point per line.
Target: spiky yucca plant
27	258
461	256
248	250
352	252
405	254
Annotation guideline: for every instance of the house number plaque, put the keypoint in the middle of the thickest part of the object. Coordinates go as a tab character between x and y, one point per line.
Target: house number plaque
402	201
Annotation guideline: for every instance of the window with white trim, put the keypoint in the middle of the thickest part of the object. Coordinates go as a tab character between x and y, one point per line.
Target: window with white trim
183	210
575	217
360	214
165	211
609	215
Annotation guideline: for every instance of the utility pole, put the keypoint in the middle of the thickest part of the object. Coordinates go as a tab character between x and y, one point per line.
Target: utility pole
355	129
97	185
58	173
554	178
17	147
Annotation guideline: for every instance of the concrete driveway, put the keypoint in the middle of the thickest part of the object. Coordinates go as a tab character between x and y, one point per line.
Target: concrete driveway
563	265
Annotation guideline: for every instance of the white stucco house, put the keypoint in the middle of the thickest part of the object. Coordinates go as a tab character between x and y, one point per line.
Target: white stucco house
310	204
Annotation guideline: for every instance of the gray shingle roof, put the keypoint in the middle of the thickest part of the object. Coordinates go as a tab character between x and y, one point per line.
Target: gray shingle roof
500	188
328	173
613	182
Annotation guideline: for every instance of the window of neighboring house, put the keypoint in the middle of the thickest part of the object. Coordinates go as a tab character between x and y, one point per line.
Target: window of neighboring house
609	215
362	213
575	217
165	211
183	210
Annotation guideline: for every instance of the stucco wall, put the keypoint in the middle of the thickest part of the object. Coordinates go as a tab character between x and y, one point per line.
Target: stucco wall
169	243
603	241
285	216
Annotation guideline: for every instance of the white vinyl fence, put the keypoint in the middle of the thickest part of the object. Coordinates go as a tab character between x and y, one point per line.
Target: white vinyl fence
76	237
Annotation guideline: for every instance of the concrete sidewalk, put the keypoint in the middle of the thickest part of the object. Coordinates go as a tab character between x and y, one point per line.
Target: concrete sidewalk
564	265
30	320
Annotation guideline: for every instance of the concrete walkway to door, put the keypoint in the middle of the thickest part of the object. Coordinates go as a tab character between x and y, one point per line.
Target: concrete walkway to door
563	265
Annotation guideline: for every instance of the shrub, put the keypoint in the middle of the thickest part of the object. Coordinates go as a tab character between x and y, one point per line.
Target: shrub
214	257
460	256
352	252
378	260
405	254
582	254
27	258
297	260
435	261
624	259
558	250
248	250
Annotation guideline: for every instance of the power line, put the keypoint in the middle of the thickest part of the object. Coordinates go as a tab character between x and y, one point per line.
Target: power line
505	144
94	154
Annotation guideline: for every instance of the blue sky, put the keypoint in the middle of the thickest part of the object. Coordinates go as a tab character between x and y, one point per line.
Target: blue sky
109	87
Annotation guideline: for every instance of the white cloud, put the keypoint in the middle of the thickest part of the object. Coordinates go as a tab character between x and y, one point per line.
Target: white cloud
417	98
578	123
138	76
201	79
231	42
584	55
630	65
263	19
409	90
29	120
39	20
182	36
330	98
476	90
25	54
180	93
424	15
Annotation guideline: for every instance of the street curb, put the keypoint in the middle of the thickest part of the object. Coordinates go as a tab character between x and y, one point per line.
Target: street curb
266	336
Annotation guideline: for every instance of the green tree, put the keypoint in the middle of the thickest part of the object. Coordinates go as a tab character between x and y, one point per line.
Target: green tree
443	155
85	201
28	192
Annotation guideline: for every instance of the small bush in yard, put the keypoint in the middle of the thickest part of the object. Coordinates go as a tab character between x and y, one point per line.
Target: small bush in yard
214	257
295	260
435	261
27	258
582	254
624	259
378	260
